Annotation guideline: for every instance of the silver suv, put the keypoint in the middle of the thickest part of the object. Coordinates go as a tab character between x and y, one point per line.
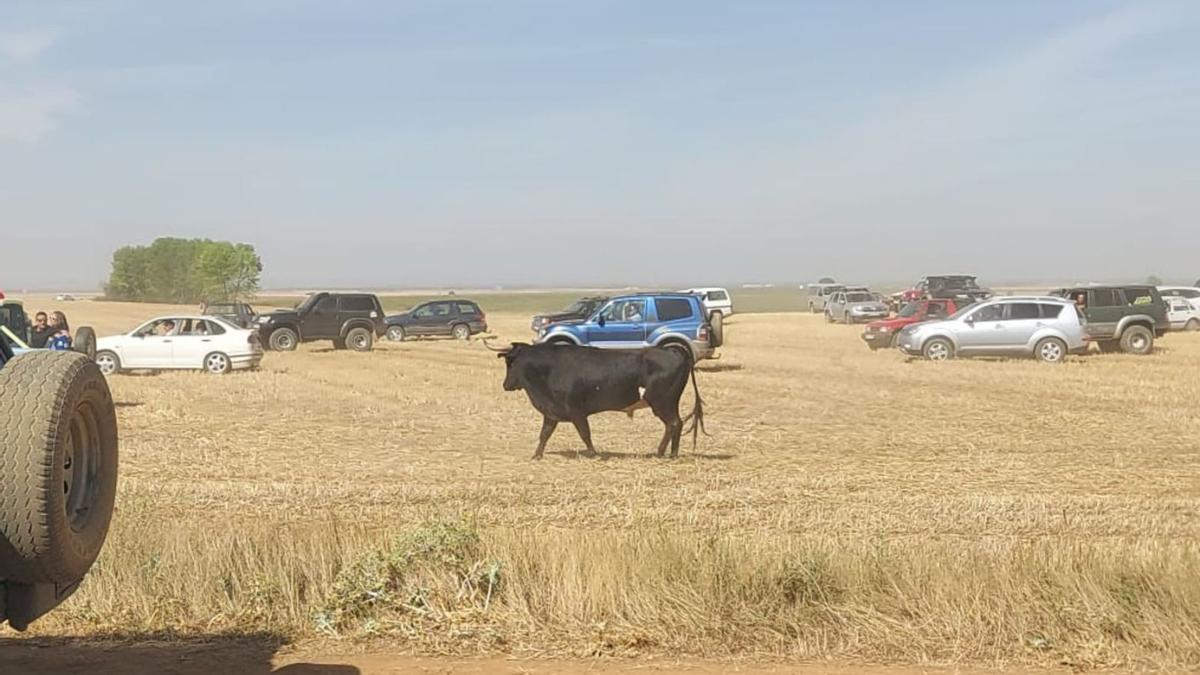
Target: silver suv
855	304
1046	328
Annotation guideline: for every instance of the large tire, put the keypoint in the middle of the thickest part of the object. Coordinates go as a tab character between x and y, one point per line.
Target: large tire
85	342
716	329
938	349
1050	350
284	340
1137	340
1192	325
58	466
461	331
359	339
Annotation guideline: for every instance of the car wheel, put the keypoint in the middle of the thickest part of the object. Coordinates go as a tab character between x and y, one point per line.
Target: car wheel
1192	325
217	363
938	349
360	339
461	331
1137	340
58	460
85	342
716	324
395	333
109	362
284	340
1050	350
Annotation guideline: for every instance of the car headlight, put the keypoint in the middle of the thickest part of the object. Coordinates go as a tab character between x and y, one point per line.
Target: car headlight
264	319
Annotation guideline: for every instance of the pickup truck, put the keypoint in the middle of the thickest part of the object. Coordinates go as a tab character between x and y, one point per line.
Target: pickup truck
58	477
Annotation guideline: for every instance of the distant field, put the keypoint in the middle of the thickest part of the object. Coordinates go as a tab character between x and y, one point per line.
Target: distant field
848	505
750	300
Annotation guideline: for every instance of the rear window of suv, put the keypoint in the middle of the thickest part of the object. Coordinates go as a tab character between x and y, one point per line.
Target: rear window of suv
467	308
1138	296
673	309
357	303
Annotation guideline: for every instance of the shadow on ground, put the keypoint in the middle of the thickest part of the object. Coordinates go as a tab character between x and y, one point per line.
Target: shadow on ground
249	653
683	454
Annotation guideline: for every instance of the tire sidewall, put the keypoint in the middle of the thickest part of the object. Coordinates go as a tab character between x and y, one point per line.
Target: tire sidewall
225	357
927	348
359	339
284	335
461	331
1131	335
395	333
116	361
1062	350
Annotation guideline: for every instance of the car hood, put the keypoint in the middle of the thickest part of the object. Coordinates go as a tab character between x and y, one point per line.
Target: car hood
557	317
280	314
402	317
893	323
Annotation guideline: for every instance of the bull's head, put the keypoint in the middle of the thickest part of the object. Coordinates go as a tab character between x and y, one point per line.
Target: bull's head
512	377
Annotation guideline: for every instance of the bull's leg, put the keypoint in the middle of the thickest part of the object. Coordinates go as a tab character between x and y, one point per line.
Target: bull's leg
548	427
672	431
585	432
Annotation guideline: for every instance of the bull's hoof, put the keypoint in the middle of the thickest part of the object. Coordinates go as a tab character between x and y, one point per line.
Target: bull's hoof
536	456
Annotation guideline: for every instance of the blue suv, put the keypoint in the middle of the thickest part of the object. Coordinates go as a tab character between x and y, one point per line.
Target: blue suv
641	320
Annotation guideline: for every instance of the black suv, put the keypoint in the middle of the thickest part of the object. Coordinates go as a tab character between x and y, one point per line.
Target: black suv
237	313
351	320
579	310
459	318
1125	318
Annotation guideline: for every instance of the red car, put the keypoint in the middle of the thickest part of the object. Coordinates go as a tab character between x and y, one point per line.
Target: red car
882	333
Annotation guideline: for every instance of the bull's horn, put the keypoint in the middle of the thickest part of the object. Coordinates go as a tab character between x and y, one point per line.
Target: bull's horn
487	343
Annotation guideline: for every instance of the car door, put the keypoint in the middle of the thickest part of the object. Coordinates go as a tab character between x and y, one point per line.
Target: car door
1021	321
148	348
1105	307
193	342
981	330
422	319
834	305
620	324
441	318
321	322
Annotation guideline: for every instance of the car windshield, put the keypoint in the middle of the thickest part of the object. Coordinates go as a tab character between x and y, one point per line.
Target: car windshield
577	307
911	309
222	309
307	303
962	311
859	297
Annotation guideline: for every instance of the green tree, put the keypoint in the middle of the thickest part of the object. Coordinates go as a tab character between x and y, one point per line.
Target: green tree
184	271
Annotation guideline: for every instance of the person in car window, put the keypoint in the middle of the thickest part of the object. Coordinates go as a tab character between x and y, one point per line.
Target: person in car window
165	328
40	332
1081	300
60	339
633	312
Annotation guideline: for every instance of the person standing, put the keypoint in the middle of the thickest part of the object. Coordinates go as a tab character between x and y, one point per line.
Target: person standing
60	338
40	332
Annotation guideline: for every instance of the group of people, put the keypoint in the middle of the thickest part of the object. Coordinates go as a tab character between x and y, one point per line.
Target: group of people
50	331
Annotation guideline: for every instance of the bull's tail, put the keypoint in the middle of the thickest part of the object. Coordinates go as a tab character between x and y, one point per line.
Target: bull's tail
696	417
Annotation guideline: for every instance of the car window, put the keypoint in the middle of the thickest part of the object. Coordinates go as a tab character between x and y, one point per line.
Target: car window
1051	311
1138	296
1018	311
673	309
214	328
467	308
937	310
326	305
1104	297
1189	293
356	303
859	297
443	309
631	310
423	311
717	296
988	313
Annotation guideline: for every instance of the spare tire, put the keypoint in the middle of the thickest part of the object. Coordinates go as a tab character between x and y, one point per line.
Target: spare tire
85	342
716	329
58	466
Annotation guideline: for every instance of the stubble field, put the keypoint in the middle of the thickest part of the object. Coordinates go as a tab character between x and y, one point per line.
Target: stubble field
848	505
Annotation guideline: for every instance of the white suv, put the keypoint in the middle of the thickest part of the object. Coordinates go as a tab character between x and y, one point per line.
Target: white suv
1046	328
1189	293
716	300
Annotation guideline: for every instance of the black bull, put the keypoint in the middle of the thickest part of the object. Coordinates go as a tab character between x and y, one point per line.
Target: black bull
568	384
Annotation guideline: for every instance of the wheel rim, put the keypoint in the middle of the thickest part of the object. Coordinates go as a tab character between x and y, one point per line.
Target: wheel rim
1051	351
216	363
938	351
283	341
461	332
108	364
395	334
79	467
1138	342
359	341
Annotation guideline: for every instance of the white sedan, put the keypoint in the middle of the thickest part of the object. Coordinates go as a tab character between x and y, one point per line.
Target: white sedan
190	342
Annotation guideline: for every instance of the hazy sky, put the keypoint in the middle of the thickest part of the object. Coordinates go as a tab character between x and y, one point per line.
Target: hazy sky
437	142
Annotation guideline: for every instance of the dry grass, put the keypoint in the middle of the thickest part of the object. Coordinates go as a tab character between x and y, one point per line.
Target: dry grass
848	505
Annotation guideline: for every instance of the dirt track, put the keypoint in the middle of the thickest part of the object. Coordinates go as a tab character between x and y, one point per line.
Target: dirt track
250	656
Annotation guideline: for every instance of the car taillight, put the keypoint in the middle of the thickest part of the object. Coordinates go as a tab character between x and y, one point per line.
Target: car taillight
702	334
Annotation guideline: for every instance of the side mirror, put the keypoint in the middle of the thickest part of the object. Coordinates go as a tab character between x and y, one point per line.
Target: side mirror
970	321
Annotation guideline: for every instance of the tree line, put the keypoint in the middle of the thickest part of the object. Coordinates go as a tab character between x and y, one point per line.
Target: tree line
182	271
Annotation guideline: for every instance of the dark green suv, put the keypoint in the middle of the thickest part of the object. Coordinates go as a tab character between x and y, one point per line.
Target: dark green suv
1121	318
